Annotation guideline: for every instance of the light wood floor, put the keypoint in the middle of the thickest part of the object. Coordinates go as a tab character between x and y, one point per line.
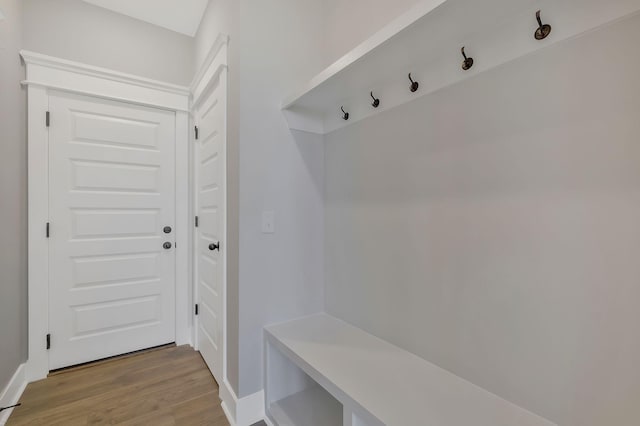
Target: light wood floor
169	386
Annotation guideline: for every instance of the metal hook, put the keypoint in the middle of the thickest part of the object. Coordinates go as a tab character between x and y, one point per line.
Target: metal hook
543	30
376	102
468	62
414	84
346	114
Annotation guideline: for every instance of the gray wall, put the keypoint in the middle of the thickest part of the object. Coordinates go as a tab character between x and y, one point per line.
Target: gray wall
350	22
281	274
75	30
492	228
13	195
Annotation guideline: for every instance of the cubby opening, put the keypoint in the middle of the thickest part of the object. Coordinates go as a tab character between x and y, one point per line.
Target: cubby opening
295	399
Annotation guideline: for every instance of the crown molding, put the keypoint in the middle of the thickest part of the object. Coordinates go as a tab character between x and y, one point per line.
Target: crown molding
215	62
66	75
221	41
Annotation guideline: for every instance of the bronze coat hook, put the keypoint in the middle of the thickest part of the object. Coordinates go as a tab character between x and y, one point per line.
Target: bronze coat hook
414	84
543	30
468	62
376	102
345	115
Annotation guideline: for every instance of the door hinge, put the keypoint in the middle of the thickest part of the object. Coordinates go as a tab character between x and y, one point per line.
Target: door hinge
48	119
196	131
196	309
197	221
48	341
47	231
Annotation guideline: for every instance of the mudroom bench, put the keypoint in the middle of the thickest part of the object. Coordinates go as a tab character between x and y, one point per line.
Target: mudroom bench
322	371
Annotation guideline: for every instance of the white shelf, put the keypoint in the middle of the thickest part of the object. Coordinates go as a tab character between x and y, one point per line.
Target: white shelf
390	385
426	41
311	407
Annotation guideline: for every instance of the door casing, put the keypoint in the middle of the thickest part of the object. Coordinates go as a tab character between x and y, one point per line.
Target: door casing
44	74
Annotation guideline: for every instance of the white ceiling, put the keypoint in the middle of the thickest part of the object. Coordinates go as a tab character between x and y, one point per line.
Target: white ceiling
182	16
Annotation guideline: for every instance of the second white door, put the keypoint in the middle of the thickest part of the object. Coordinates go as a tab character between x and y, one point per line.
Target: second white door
112	231
210	117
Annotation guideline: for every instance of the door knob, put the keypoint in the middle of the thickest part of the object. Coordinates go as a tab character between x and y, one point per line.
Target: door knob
214	246
167	245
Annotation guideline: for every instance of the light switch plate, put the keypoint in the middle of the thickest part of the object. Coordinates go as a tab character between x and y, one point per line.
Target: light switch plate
268	222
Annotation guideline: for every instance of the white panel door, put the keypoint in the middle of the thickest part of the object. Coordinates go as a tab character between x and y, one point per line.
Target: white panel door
210	117
112	193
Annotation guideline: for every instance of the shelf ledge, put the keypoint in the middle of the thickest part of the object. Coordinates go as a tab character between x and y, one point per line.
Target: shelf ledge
426	41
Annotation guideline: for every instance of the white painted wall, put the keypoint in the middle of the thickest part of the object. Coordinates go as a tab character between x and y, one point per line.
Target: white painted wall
280	276
13	195
492	228
183	16
76	30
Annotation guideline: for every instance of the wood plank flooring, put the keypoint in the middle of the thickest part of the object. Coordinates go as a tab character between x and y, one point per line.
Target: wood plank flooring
165	387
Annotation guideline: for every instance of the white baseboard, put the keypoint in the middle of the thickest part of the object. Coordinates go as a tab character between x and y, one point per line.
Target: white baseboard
267	421
12	393
244	411
229	402
250	409
185	338
228	414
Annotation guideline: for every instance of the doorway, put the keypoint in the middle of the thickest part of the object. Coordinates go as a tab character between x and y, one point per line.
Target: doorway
110	220
111	228
209	112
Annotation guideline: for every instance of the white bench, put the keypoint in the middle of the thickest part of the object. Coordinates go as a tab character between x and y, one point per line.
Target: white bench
322	371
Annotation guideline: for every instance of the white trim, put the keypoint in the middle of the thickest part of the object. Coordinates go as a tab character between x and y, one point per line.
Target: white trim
214	64
12	392
61	74
227	413
192	243
38	244
269	422
229	401
44	74
250	409
184	298
33	58
221	41
243	411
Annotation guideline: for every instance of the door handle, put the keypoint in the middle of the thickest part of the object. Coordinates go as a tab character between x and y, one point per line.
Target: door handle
167	245
214	246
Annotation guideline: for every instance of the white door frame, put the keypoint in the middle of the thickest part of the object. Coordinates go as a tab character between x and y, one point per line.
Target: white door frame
214	64
45	73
